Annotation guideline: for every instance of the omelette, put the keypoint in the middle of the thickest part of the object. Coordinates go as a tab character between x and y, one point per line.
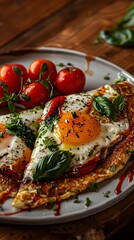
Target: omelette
83	139
17	137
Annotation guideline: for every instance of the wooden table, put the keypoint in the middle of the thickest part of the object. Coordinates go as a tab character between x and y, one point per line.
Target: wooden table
71	24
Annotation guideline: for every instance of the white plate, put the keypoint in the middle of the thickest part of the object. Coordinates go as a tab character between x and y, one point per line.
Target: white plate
69	210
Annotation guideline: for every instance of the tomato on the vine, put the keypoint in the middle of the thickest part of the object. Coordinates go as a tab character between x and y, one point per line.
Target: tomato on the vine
34	94
42	69
70	80
14	75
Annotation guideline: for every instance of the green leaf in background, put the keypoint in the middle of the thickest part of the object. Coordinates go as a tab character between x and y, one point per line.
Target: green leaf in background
128	19
118	37
122	34
52	165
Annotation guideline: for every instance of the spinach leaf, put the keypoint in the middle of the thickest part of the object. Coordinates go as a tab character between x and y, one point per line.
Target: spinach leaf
104	106
52	165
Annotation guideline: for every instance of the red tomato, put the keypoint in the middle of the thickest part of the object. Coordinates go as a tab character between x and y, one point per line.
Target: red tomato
42	69
37	94
70	80
1	96
11	74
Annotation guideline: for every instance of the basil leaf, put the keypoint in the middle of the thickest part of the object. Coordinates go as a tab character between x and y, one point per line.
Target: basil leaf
52	165
104	106
119	102
118	37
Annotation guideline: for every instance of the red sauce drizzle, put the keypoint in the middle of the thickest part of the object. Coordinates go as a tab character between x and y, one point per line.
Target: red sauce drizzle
55	105
58	207
11	213
129	173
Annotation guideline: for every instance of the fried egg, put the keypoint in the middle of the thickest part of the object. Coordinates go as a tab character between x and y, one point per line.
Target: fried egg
13	149
80	129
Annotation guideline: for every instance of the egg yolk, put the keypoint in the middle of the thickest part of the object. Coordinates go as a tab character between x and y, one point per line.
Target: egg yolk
75	128
3	131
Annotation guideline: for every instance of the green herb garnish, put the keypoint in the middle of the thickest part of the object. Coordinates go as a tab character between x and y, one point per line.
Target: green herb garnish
112	168
1	208
74	114
75	199
106	194
2	134
55	207
93	187
87	202
18	128
90	152
51	121
107	77
38	190
52	165
121	78
51	144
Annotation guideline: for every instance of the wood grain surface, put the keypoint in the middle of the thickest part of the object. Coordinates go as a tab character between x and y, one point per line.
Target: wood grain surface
71	24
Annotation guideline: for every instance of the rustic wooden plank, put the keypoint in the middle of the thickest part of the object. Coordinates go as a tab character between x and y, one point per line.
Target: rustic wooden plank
78	29
18	16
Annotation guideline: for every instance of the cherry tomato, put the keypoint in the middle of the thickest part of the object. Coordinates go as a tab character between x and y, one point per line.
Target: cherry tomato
70	80
34	94
42	69
11	74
